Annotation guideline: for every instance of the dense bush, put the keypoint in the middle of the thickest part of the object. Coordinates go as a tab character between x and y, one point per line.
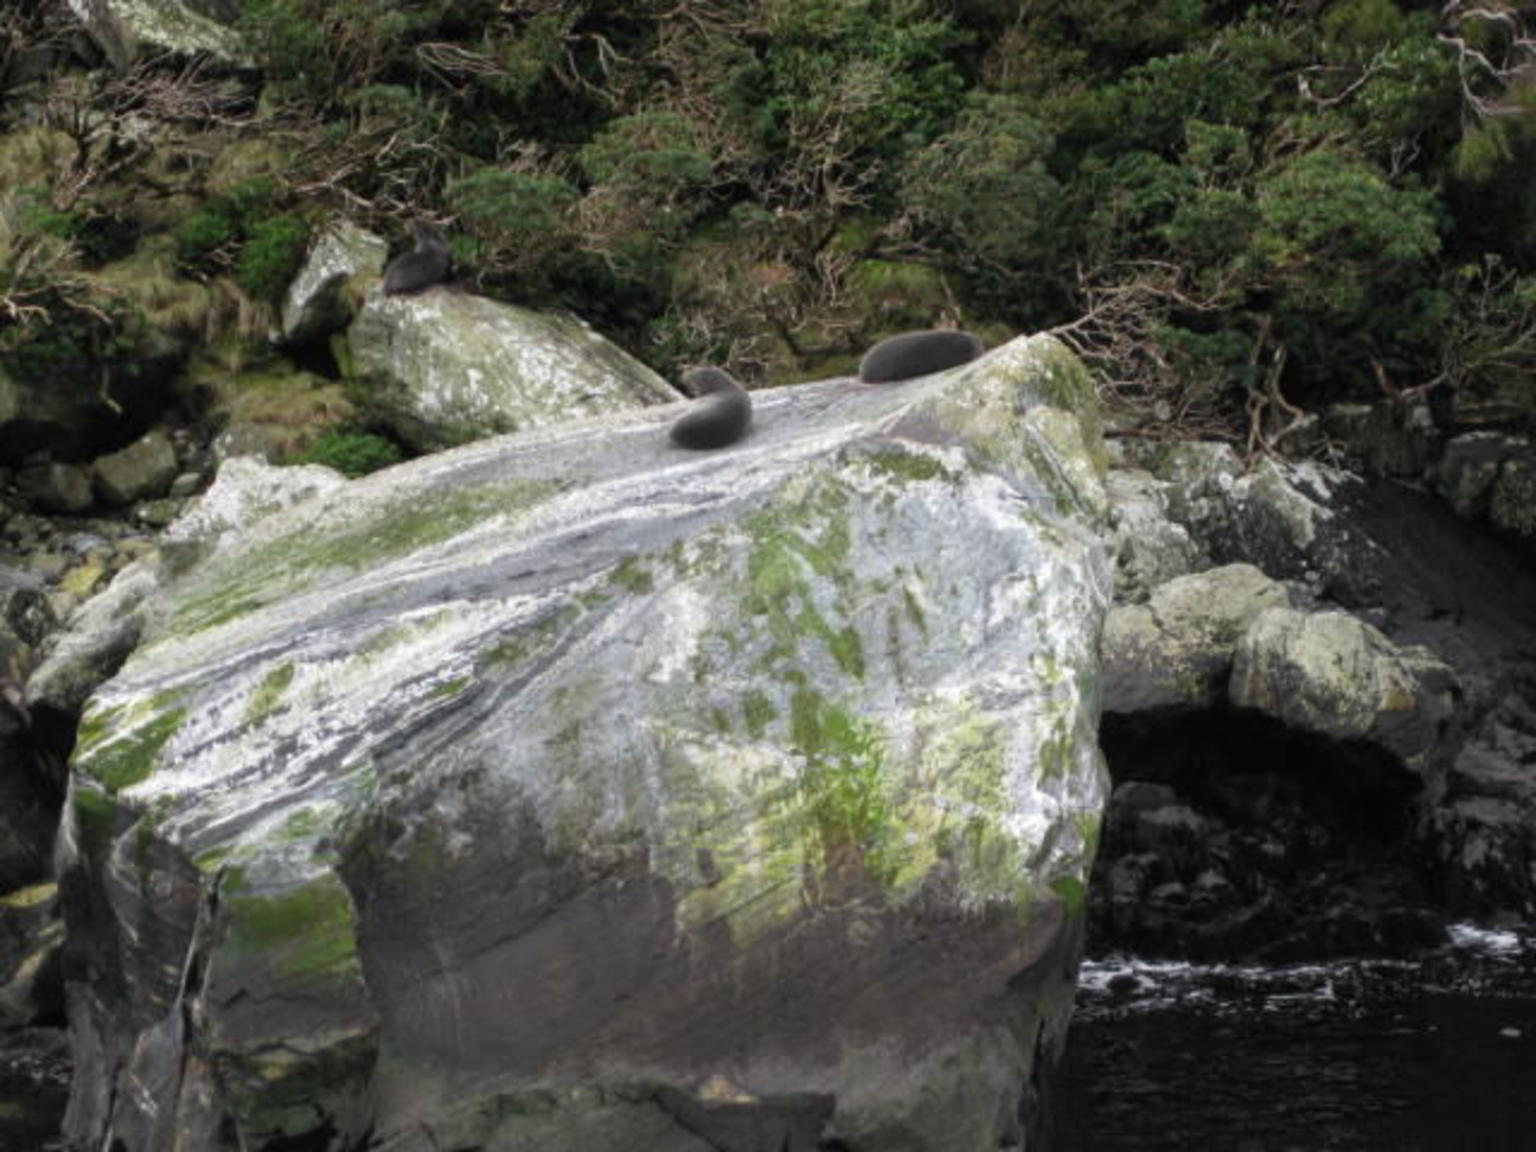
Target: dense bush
1226	198
238	231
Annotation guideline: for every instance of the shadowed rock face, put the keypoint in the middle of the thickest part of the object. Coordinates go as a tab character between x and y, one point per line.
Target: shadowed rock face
720	417
563	791
917	354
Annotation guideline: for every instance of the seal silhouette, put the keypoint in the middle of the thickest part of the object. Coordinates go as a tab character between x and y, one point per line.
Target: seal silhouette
721	415
423	266
917	354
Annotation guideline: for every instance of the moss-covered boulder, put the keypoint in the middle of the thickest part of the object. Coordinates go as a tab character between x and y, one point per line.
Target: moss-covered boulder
445	367
574	791
124	29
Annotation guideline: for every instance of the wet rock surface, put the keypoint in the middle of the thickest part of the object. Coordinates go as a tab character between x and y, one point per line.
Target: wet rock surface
718	753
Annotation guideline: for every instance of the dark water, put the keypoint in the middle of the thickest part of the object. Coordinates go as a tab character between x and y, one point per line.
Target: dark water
1431	1056
34	1086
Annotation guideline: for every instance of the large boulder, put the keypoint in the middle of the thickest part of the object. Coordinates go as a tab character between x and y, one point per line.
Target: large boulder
446	367
1334	675
572	791
123	29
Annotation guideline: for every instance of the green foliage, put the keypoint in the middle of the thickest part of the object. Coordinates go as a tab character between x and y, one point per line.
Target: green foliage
272	256
985	186
36	214
317	49
1332	230
203	234
237	230
651	155
1364	25
353	452
771	181
511	206
847	80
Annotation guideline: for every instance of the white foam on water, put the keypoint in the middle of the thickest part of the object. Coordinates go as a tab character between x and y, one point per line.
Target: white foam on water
1491	941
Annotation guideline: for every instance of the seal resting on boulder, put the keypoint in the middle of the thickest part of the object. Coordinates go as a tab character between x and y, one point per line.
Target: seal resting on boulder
423	266
917	354
721	415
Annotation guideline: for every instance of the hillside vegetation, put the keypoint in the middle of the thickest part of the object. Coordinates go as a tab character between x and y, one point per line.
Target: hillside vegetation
1239	211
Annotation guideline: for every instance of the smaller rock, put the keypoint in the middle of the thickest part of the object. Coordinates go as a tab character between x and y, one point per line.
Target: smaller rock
158	513
1334	675
186	484
63	604
1388	438
316	303
1468	469
1149	549
24	611
1512	505
141	471
47	566
54	487
95	642
1175	652
84	579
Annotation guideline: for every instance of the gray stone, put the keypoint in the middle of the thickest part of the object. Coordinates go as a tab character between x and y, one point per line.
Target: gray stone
317	302
244	491
55	487
124	28
95	641
186	484
1468	469
574	791
1334	675
1149	549
1388	438
1175	652
24	610
158	513
142	471
1280	517
1512	504
446	367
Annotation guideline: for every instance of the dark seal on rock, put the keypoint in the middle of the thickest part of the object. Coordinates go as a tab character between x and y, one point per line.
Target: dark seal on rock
917	354
421	267
722	414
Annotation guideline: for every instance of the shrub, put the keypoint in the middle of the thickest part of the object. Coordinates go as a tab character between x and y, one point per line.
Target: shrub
271	256
201	235
352	452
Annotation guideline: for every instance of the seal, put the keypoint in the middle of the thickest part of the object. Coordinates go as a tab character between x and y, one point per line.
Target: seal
917	354
720	417
423	266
